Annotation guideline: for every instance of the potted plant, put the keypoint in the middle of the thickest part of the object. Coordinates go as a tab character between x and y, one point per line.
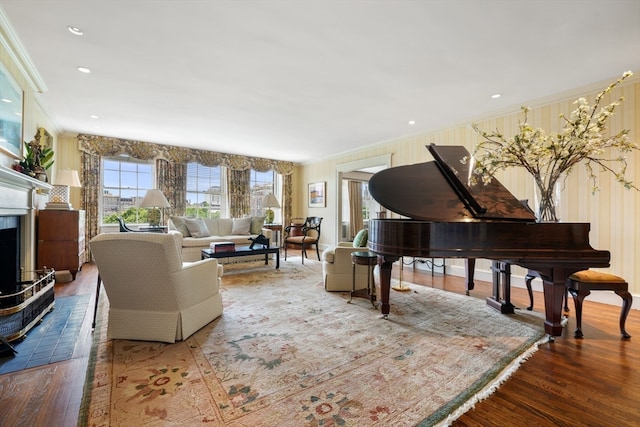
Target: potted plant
37	160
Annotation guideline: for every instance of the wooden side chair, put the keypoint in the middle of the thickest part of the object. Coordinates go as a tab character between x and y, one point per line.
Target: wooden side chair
124	228
310	235
581	284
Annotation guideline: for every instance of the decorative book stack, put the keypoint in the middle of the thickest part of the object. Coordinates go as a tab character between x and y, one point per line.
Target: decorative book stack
223	246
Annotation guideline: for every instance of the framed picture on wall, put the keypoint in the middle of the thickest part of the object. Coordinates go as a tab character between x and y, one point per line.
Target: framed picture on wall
11	106
317	197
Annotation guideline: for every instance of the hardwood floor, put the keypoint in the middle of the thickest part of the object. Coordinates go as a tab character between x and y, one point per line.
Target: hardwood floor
594	381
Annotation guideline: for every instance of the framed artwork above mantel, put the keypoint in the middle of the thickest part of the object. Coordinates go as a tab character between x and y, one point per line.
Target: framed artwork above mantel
317	197
11	110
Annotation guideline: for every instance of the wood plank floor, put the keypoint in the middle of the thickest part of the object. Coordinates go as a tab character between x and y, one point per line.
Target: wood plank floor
594	381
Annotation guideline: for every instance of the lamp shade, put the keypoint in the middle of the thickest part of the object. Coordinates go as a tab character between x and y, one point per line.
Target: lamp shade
270	201
68	177
154	199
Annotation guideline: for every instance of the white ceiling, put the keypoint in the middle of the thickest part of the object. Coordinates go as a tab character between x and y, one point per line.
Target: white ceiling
301	80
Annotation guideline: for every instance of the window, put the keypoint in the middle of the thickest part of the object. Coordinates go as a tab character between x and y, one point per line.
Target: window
260	184
124	184
206	191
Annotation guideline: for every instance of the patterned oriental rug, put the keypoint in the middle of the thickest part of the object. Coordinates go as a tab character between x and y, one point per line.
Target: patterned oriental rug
287	353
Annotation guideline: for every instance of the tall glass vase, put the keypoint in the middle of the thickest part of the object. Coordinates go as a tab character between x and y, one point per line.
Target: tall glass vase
547	198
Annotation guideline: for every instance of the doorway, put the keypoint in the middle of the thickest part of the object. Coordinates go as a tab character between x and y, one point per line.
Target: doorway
356	175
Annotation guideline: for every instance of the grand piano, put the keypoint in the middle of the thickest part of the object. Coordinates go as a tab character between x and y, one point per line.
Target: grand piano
449	217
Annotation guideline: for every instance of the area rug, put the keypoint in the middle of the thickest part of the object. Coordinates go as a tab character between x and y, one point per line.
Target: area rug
53	339
287	353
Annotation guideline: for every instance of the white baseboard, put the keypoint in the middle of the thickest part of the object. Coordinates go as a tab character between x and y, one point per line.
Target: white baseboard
517	281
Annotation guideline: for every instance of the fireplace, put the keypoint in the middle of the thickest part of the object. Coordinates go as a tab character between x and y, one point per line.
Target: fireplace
9	256
26	294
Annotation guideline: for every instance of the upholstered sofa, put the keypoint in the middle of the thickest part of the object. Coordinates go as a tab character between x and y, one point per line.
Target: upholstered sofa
195	234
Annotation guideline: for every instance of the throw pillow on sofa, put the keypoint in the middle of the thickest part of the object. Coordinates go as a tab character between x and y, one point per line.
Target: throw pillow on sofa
197	227
241	226
257	222
180	225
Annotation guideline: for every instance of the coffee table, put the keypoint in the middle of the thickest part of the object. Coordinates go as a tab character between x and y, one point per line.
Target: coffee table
244	251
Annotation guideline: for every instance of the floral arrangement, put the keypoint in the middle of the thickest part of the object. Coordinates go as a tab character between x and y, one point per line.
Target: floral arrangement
550	158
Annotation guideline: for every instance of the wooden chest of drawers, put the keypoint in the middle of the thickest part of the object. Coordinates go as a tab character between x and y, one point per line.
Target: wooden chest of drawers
61	240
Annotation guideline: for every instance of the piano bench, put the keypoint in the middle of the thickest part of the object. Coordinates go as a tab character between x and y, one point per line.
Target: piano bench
581	284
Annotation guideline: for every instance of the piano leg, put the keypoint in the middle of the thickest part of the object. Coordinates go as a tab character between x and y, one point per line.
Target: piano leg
554	292
385	263
470	267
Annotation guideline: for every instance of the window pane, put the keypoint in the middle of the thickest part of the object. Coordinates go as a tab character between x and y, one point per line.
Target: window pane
261	184
124	184
204	192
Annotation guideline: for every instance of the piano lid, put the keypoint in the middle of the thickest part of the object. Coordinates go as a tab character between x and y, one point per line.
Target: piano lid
440	191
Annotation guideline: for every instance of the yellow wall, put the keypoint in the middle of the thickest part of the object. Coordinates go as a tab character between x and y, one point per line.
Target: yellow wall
614	212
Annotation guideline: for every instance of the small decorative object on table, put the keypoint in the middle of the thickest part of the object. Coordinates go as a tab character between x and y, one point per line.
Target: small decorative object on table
551	158
260	239
223	246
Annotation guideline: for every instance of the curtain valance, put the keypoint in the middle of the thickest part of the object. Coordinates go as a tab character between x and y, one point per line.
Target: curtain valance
106	146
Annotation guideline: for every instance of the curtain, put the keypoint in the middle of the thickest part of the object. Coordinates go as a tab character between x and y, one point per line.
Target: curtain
171	179
171	167
287	183
239	194
89	197
355	208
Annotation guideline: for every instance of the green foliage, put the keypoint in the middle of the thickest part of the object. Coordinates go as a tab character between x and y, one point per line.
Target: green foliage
201	212
46	158
36	157
132	215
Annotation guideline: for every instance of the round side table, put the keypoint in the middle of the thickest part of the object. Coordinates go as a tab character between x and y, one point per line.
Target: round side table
370	259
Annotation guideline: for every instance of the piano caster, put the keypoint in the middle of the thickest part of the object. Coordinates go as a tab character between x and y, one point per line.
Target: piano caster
385	317
552	339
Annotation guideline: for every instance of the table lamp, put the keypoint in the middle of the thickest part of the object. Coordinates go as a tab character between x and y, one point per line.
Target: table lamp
155	200
269	202
59	195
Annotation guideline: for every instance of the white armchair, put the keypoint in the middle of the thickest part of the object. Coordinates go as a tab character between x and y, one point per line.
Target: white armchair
337	268
152	294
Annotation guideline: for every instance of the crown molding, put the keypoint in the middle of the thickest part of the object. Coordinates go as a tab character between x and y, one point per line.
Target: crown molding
9	40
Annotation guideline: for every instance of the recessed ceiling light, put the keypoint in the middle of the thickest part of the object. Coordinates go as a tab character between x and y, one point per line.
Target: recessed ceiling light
412	122
93	116
75	30
84	70
496	96
8	101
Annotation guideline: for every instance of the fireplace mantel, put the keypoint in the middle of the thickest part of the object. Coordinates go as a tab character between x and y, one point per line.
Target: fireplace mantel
18	190
10	176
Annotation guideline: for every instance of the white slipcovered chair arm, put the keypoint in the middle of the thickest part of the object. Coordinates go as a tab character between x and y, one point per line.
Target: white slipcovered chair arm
197	281
178	235
340	254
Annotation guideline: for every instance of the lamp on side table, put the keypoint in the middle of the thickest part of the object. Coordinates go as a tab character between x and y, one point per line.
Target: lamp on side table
59	195
155	200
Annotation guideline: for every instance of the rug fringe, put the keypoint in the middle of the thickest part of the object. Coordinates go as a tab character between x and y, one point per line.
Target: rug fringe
491	388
